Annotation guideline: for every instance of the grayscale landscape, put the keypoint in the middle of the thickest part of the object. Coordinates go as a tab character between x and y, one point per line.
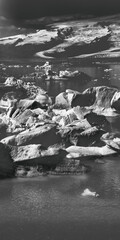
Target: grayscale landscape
59	122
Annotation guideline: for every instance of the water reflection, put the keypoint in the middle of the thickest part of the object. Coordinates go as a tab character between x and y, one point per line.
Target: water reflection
114	124
115	75
105	74
100	74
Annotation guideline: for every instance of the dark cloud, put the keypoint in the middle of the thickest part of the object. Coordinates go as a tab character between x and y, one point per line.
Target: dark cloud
23	9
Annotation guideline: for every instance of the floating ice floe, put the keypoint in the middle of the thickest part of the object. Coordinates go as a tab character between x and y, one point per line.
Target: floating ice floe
87	192
108	70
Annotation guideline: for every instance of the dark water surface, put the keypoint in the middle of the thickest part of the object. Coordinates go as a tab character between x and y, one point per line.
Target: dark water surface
107	74
52	207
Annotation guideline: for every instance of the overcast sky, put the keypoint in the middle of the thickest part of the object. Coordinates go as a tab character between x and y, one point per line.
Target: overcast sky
37	8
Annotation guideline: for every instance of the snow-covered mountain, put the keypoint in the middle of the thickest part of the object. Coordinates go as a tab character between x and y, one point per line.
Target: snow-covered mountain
79	38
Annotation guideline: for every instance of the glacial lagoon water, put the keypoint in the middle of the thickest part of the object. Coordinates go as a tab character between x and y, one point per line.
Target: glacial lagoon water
52	207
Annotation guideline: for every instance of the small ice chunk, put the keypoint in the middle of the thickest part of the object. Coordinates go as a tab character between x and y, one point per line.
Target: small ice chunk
108	70
73	155
87	192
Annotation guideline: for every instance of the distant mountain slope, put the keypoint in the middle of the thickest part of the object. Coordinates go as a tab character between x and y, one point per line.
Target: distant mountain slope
77	38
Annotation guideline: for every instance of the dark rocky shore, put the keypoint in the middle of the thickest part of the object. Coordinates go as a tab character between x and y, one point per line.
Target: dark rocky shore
40	136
